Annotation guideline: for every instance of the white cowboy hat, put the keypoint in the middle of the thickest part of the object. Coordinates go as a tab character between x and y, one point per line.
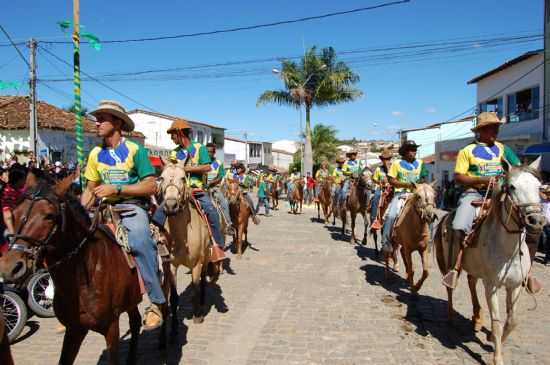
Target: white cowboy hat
114	108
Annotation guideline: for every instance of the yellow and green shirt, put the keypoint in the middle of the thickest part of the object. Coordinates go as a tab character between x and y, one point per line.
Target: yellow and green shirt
126	164
478	159
217	171
321	174
379	175
338	175
407	172
351	167
196	154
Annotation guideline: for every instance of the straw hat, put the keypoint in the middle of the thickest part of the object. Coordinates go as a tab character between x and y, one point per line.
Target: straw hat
117	110
340	158
386	154
178	124
486	119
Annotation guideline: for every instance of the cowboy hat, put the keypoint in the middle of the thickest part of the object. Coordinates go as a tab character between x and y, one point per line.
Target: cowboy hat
486	119
178	124
117	110
386	154
340	159
407	146
352	152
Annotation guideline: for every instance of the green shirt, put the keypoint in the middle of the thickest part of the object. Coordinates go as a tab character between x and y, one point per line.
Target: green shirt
217	171
196	154
262	189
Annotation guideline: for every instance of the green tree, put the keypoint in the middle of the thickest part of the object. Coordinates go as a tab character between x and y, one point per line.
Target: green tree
318	80
324	143
296	164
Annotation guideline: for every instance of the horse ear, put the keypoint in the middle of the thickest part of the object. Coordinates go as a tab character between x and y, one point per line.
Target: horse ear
63	186
433	184
535	165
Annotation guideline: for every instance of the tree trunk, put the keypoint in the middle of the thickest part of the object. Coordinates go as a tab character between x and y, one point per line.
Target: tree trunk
308	151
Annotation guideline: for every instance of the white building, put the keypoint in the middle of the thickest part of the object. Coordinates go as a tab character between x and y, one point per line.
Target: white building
514	90
154	126
251	153
56	138
282	159
285	145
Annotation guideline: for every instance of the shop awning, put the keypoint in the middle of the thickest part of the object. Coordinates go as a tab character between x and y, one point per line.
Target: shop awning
537	149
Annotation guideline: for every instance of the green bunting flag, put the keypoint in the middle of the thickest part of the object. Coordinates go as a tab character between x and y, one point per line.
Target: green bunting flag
94	41
4	85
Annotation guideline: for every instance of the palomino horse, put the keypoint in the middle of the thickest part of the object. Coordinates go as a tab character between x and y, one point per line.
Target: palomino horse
357	203
411	231
5	353
240	215
325	199
296	198
191	239
92	279
498	255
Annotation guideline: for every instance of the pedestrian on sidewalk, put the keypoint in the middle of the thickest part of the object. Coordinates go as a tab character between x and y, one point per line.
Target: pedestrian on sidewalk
262	197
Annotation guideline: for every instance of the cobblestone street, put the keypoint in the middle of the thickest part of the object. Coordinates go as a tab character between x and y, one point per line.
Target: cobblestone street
301	295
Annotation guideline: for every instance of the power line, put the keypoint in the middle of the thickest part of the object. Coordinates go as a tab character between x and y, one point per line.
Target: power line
14	46
250	27
98	81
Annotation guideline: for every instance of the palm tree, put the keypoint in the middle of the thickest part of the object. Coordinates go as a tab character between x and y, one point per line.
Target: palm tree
318	80
324	143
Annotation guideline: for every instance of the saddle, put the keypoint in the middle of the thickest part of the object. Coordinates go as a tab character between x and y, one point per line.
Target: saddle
403	199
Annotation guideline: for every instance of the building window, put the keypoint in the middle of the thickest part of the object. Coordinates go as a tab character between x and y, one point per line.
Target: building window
494	105
200	137
523	105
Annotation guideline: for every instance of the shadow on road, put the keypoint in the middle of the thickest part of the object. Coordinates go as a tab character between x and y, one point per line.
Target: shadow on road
33	326
426	314
336	233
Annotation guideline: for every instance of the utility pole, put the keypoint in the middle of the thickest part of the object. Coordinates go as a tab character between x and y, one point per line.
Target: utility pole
32	97
76	81
546	99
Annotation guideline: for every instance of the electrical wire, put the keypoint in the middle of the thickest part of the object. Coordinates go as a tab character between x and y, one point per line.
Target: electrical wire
14	46
249	27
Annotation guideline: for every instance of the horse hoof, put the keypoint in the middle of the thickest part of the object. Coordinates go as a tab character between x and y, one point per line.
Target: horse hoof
477	326
198	319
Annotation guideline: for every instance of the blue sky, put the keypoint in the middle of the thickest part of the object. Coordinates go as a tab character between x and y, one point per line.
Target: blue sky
398	94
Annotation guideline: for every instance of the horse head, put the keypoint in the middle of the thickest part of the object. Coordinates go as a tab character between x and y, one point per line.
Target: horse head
173	187
233	192
424	201
521	187
39	219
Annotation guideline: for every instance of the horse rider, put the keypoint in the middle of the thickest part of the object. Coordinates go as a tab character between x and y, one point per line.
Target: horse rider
233	167
197	164
338	176
351	169
320	176
120	171
380	180
214	179
245	183
295	175
402	176
476	166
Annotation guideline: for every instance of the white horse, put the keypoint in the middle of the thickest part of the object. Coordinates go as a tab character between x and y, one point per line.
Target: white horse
499	255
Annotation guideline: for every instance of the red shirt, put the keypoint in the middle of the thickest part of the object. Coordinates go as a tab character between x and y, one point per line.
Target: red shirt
310	182
9	197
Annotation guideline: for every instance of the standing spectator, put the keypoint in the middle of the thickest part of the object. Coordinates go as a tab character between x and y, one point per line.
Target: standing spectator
262	197
58	171
310	186
545	236
12	191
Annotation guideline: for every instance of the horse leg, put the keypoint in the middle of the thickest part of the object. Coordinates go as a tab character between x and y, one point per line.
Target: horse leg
318	211
353	218
512	296
407	259
496	327
112	337
196	277
450	309
240	241
365	229
174	302
476	318
425	267
135	326
395	260
71	344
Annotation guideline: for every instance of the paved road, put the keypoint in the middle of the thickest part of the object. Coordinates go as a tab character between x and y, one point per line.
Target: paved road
300	295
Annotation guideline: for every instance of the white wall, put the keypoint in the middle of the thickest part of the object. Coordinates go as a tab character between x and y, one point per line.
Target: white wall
282	160
488	87
235	148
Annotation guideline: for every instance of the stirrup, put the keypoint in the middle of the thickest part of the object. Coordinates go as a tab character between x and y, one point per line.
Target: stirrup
450	279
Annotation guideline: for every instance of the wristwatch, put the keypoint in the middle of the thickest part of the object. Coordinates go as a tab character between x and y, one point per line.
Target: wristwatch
118	189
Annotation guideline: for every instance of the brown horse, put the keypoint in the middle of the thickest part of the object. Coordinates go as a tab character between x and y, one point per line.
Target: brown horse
325	199
5	352
296	198
411	231
191	240
357	203
93	282
274	189
240	214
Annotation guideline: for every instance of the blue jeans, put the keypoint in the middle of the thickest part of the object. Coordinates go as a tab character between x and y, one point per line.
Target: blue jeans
374	204
344	190
218	195
143	248
159	218
392	213
262	201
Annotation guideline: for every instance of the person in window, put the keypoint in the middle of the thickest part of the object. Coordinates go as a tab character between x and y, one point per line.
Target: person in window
119	171
403	175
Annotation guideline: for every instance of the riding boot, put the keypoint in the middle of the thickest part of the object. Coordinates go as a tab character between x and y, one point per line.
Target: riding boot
153	318
451	278
532	241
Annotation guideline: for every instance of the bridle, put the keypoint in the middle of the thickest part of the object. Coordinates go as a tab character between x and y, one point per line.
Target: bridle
423	206
235	199
171	183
